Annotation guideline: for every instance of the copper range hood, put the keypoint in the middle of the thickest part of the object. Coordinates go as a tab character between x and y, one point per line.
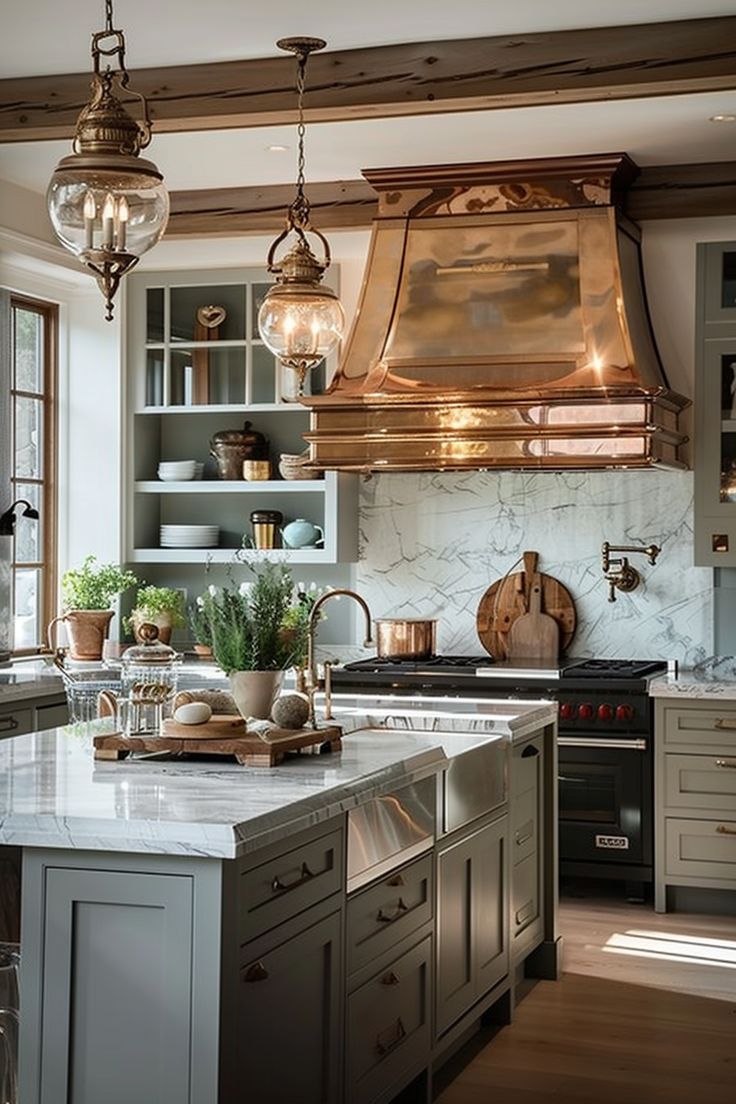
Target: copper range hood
502	324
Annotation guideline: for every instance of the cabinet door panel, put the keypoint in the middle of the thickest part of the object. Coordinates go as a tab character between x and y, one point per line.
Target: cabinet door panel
15	722
288	1019
490	907
455	990
117	990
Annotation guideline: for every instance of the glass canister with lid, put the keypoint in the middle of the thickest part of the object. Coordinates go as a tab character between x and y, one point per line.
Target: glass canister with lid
150	673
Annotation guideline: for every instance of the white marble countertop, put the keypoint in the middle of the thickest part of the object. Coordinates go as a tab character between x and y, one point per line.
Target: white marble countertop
693	685
54	794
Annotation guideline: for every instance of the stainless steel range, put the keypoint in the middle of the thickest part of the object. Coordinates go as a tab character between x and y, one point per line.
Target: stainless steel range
605	744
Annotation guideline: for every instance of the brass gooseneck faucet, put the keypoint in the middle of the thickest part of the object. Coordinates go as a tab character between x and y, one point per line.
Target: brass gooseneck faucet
313	677
619	573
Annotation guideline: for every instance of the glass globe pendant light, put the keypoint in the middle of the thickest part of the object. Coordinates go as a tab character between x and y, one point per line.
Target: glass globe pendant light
299	320
107	204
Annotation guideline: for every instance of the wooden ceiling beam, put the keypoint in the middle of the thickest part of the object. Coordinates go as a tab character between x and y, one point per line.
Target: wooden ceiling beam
602	63
664	191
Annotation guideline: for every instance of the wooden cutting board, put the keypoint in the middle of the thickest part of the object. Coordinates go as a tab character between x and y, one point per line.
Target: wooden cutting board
534	635
507	599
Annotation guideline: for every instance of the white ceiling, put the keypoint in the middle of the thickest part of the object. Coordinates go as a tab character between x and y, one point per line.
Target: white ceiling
653	131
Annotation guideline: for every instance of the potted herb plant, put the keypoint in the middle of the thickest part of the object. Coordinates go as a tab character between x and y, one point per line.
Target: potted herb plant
159	606
258	630
87	596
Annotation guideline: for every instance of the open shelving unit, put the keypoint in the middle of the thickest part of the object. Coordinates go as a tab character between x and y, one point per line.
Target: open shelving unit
181	390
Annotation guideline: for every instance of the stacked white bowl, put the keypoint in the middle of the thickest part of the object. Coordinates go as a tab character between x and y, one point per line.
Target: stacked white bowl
175	471
190	536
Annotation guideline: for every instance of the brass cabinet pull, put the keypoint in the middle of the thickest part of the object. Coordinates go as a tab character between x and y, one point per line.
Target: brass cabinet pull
726	763
397	880
525	833
529	751
8	724
256	972
386	918
387	1040
277	886
725	830
724	722
524	912
390	978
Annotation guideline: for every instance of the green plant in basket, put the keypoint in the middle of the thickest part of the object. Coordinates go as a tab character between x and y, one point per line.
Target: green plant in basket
160	606
93	586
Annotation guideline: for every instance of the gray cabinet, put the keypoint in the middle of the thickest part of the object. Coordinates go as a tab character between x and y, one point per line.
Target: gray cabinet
695	796
527	846
32	715
715	405
117	1016
289	1016
472	920
388	1027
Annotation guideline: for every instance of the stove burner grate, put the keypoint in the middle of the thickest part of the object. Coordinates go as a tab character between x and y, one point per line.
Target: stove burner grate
438	661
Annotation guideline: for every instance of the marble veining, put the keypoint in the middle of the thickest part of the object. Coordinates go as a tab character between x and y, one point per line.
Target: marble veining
430	545
694	685
54	794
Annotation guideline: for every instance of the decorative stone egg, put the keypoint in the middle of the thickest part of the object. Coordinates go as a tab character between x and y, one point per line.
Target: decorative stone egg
290	711
192	713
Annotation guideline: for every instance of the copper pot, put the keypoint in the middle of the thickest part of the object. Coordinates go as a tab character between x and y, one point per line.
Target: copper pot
405	637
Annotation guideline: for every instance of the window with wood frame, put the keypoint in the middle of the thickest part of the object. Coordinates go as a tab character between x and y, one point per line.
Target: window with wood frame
34	340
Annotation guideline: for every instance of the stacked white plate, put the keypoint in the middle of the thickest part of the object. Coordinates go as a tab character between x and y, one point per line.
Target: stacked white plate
190	536
174	471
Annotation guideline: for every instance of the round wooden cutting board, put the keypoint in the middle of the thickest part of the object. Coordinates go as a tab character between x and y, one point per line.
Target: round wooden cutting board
506	599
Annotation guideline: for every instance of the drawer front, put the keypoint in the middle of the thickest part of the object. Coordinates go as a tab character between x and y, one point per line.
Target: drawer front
388	1025
525	894
701	848
51	716
701	781
526	762
707	725
525	826
281	888
382	915
16	722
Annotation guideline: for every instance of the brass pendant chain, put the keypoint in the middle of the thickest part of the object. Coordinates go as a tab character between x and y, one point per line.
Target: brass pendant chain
299	209
108	16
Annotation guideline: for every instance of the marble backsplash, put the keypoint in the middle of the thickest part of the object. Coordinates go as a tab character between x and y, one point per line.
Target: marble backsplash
430	545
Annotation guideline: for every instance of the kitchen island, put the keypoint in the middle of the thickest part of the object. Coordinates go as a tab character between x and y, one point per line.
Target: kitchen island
188	924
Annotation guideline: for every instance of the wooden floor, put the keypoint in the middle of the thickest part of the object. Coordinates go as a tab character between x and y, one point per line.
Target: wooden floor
645	1013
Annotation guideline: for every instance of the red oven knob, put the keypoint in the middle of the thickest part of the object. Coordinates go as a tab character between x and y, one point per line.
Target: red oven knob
566	711
624	713
605	712
586	712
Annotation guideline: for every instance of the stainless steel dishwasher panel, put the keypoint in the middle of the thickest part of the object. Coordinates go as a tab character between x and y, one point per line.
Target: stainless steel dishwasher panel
389	830
474	784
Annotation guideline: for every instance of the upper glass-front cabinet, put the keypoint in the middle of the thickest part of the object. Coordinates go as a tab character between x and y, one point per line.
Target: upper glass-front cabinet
715	406
201	346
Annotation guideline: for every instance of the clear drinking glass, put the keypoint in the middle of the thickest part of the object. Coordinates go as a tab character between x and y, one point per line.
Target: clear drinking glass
9	1013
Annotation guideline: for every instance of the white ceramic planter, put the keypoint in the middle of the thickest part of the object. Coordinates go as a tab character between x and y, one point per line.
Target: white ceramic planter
255	692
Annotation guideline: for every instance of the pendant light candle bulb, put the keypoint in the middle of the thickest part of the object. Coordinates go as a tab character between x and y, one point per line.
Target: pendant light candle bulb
123	213
108	212
90	211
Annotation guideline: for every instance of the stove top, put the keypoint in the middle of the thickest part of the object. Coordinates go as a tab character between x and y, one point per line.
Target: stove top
484	666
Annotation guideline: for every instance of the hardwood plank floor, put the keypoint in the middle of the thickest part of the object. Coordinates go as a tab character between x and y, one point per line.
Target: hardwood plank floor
632	1021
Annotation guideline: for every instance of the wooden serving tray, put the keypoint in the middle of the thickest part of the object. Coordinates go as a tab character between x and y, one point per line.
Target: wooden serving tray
222	735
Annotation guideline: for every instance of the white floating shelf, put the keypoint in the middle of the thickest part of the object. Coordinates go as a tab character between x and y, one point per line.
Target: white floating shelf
234	486
227	555
228	408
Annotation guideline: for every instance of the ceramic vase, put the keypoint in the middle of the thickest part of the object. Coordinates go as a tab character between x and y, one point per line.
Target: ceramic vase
86	631
255	692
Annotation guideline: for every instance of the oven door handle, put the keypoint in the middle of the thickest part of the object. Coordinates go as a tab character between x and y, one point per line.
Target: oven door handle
583	742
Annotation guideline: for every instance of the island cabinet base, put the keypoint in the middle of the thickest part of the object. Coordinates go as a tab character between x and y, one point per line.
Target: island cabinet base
119	978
